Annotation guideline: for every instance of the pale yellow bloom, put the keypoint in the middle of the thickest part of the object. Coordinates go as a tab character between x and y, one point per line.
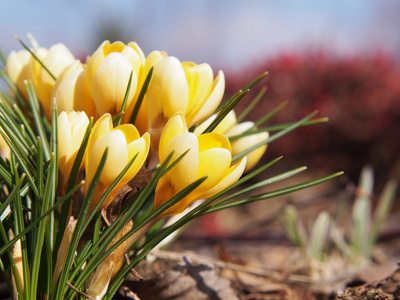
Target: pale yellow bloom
205	92
184	87
123	143
248	141
18	69
71	129
108	72
209	155
70	90
57	58
231	128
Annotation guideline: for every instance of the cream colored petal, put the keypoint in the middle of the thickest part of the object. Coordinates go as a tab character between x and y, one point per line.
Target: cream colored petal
94	61
64	139
239	128
139	147
168	92
212	102
175	126
130	132
184	172
64	89
248	141
200	80
188	64
18	69
78	128
134	58
213	140
222	127
113	47
101	127
83	100
138	50
110	82
230	178
153	59
36	67
117	157
213	163
57	59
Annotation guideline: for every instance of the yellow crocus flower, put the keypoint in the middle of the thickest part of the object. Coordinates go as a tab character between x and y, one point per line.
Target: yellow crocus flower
108	72
209	155
230	128
184	87
205	92
123	143
70	90
71	129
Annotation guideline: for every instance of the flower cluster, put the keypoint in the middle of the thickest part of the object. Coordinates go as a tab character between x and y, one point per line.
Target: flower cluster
147	111
115	73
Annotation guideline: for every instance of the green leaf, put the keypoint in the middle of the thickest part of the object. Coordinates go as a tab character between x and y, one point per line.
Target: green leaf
141	96
71	183
49	194
274	137
117	119
61	287
225	110
40	218
275	193
382	211
38	119
250	107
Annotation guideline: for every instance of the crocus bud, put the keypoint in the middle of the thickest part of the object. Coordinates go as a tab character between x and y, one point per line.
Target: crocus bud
97	284
57	59
123	143
17	256
71	129
209	155
70	90
108	72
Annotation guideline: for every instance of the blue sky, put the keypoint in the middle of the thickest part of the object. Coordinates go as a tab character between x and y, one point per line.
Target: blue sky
226	33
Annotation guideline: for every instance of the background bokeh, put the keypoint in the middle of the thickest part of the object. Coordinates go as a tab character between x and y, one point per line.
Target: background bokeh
228	34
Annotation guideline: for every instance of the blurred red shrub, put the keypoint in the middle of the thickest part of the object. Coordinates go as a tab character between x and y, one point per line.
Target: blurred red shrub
360	96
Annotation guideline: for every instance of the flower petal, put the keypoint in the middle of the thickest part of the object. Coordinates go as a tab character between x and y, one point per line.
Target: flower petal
213	140
232	175
212	102
175	126
184	172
